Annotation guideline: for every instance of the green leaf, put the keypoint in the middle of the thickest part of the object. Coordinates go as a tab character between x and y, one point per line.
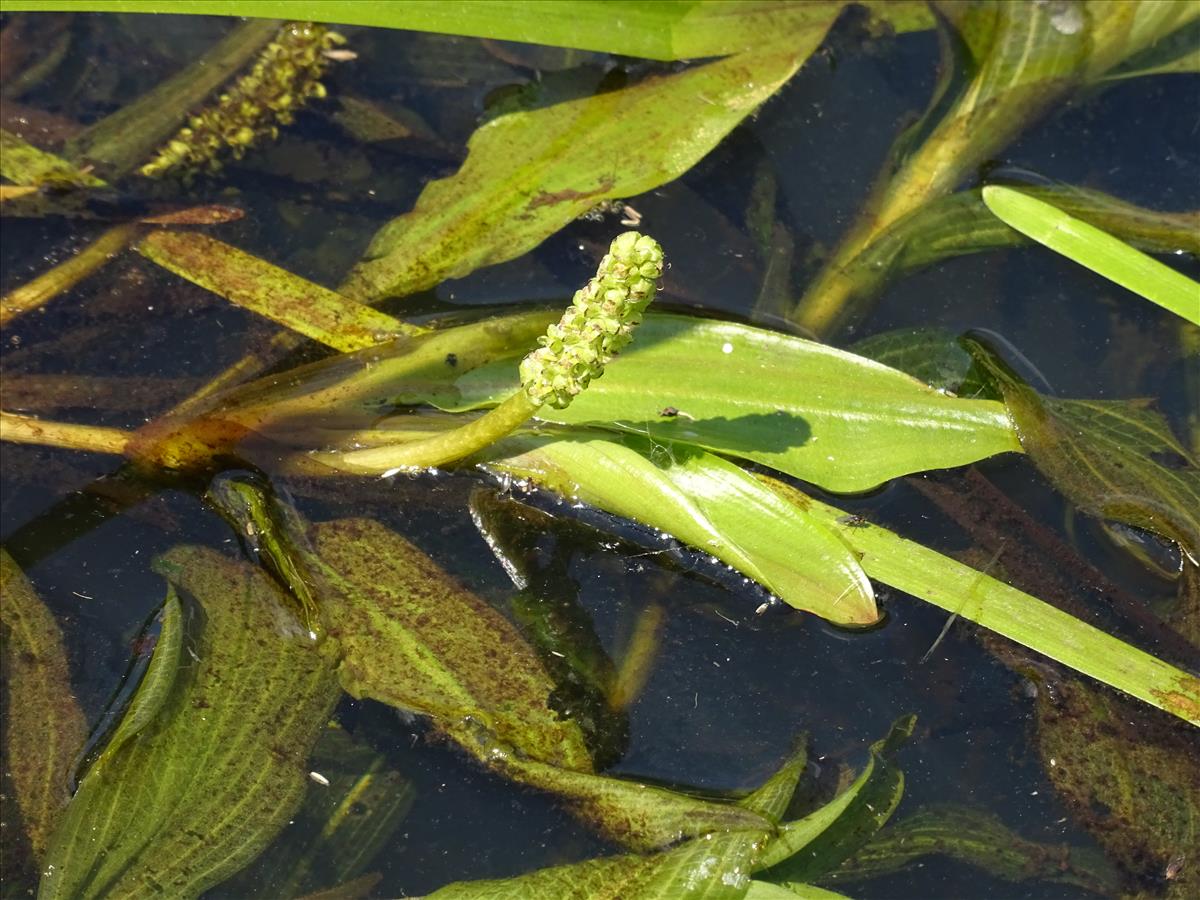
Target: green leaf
764	890
411	636
834	832
807	409
715	507
771	799
527	174
44	728
712	868
1096	250
978	597
667	29
978	838
1115	459
23	163
205	784
341	827
1129	778
255	284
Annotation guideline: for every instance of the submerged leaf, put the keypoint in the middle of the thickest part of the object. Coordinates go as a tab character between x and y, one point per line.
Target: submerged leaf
44	728
715	507
980	839
827	416
307	308
1130	779
832	833
206	783
715	867
410	635
527	174
25	164
1115	459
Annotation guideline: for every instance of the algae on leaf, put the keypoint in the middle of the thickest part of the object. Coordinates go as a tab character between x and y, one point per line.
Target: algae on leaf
527	174
216	768
44	728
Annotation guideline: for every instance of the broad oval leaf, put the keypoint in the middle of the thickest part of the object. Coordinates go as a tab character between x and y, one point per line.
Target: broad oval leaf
824	415
411	636
527	174
206	783
44	728
715	507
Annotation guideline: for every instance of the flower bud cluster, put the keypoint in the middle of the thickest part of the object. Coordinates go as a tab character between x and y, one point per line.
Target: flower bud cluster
284	77
597	324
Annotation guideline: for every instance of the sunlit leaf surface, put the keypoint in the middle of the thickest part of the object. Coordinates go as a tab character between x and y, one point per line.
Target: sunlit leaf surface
665	29
821	414
44	728
978	597
527	174
715	507
1095	249
208	781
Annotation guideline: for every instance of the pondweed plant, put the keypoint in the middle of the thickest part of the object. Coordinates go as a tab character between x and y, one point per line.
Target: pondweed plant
716	433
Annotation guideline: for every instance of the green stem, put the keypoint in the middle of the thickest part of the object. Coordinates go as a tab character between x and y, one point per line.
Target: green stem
442	448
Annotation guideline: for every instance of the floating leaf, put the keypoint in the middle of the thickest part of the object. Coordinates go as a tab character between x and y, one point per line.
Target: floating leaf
834	832
667	29
715	507
1096	250
979	598
203	786
821	414
411	636
980	839
44	728
527	174
307	308
1115	459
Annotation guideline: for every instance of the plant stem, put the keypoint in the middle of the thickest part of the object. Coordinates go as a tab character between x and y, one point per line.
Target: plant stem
48	285
94	438
442	448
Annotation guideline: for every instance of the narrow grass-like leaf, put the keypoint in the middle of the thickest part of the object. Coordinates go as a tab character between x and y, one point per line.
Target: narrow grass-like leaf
1096	250
206	784
410	635
44	728
1115	459
306	308
527	174
666	29
715	507
978	597
806	849
827	416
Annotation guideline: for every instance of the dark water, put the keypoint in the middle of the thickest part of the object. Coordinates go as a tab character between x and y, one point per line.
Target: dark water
731	690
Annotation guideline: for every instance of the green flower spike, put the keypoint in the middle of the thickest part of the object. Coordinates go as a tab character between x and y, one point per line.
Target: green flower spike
285	75
597	324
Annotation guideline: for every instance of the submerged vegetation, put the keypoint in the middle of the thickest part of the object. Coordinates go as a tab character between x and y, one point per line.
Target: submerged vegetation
278	484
